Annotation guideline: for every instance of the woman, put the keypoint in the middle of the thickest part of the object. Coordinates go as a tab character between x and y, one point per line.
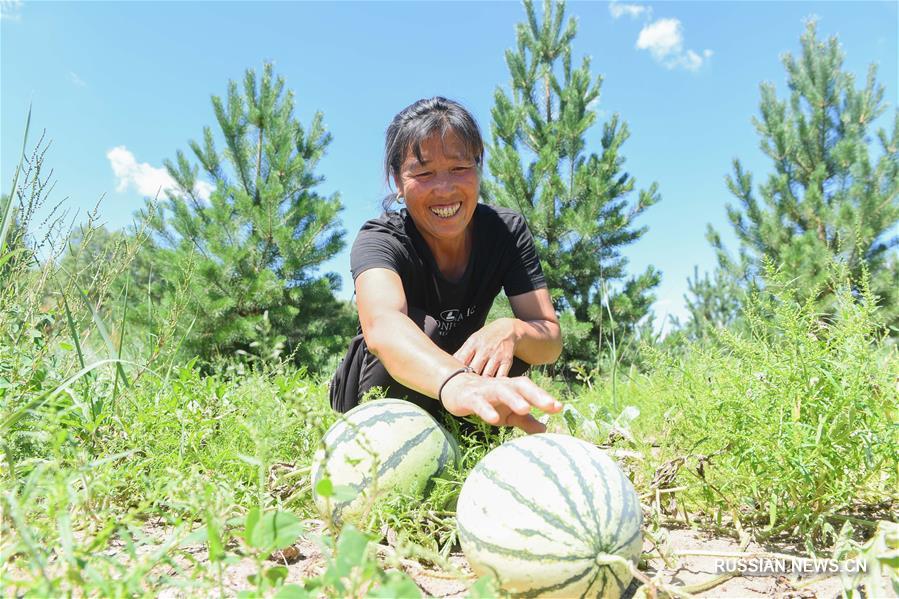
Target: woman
427	275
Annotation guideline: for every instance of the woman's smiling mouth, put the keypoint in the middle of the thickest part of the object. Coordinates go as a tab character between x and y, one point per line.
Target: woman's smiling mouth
446	211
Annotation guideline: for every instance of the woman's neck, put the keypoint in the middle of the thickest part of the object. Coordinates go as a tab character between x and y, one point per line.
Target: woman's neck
452	255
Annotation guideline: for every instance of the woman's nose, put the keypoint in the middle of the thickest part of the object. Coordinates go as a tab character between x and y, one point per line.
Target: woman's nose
443	181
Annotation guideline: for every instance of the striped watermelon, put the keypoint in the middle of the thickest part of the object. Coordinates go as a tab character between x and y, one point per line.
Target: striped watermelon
377	448
541	513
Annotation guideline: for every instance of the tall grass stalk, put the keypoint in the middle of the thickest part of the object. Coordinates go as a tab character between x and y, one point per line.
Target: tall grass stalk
7	210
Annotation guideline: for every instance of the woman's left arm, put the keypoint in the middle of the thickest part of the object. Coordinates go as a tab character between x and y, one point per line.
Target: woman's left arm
537	328
533	336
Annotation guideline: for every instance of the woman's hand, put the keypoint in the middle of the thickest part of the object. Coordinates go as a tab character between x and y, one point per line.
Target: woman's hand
490	350
499	401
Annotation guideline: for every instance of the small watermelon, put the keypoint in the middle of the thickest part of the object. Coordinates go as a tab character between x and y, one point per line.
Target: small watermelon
543	513
378	448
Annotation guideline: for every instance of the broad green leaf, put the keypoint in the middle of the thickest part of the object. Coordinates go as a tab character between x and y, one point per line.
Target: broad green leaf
351	549
216	547
276	574
275	530
324	488
397	584
66	539
292	591
571	417
250	526
197	536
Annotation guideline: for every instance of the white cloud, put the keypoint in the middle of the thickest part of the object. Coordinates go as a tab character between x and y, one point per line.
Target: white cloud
9	10
691	60
620	9
203	189
664	39
661	38
147	179
74	78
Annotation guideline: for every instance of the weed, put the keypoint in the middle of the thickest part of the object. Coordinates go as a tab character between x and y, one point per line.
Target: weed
799	414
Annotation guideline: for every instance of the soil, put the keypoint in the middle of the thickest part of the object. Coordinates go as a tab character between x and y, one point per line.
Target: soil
305	559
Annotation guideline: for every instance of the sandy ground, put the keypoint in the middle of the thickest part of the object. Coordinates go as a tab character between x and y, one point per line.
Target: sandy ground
305	559
688	570
692	570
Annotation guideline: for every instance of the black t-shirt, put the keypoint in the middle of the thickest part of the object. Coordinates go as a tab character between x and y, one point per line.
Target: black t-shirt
503	256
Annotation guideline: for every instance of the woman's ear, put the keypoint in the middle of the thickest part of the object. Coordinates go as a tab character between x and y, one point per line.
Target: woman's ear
397	184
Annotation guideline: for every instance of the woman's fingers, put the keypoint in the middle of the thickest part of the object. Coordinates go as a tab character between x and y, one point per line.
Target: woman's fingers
504	367
490	369
479	361
519	396
527	423
499	401
536	396
512	400
492	364
486	413
498	367
465	353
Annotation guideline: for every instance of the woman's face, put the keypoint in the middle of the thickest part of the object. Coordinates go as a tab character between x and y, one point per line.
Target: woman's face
441	191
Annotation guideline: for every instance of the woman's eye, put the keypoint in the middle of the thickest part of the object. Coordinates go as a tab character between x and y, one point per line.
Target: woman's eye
461	169
421	174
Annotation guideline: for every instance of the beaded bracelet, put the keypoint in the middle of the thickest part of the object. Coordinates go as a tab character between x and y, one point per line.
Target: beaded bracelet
465	370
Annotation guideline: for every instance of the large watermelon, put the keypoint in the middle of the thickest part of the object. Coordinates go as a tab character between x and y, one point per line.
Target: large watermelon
377	448
543	513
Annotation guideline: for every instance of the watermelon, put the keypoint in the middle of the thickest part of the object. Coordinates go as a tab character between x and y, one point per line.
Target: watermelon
543	513
379	448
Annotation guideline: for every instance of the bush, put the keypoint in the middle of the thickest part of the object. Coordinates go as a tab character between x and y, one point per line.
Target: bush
797	415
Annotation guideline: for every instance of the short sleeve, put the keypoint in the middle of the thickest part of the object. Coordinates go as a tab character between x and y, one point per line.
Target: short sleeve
375	249
525	273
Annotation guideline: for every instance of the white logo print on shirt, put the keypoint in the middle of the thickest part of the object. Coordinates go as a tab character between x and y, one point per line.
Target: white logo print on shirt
450	318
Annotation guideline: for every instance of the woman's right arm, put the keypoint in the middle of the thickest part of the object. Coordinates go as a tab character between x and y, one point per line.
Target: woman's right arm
405	350
414	361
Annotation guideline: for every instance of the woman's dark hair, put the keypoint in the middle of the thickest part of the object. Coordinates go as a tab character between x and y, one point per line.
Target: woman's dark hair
420	120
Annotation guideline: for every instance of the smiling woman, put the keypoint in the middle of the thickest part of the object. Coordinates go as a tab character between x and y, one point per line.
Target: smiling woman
440	189
427	275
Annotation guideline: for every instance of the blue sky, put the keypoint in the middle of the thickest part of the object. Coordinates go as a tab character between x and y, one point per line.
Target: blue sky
119	87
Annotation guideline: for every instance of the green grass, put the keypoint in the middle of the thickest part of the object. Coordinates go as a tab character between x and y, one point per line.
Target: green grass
119	458
798	419
789	429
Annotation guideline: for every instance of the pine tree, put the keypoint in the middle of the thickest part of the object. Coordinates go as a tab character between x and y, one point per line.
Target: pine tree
712	302
825	199
574	201
255	245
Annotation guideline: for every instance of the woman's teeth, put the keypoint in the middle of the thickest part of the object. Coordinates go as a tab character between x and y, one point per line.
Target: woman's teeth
446	211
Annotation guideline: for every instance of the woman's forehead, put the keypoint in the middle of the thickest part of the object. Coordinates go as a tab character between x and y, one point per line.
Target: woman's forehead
449	144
